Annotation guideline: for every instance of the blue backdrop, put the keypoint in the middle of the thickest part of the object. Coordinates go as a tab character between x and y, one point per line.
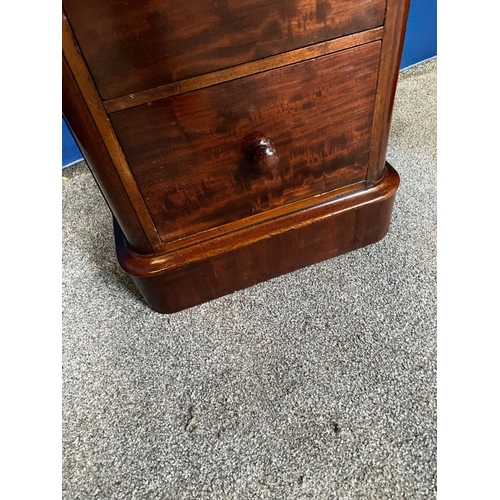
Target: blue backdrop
420	44
421	32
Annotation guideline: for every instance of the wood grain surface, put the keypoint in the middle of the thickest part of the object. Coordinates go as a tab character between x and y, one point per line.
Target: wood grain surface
82	102
198	273
392	48
185	151
131	46
101	165
242	70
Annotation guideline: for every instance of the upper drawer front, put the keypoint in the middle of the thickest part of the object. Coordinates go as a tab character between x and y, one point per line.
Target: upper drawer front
186	151
132	45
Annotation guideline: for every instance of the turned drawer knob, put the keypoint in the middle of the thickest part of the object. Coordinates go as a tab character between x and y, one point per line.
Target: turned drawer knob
261	153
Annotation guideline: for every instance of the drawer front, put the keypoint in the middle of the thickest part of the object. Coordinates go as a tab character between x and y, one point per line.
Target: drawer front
186	154
132	46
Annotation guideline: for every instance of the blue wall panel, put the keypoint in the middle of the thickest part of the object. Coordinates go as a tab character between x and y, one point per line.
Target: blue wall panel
70	151
421	32
420	44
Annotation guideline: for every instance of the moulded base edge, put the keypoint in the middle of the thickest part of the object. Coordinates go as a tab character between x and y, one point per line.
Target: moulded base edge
199	273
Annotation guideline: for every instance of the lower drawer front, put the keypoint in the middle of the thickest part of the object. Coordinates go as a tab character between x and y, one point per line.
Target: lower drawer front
186	154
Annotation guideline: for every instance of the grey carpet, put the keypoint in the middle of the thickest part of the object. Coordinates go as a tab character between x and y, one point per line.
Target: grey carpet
318	384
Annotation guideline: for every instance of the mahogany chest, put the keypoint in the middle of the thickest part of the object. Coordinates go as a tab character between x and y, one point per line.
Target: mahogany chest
234	140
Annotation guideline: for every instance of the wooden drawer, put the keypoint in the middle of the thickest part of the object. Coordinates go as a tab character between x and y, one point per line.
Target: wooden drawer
185	152
131	46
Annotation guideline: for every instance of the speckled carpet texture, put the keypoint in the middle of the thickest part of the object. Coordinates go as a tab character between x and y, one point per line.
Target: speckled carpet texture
318	384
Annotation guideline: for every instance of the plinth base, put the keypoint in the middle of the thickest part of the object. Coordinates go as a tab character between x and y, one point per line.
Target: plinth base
189	275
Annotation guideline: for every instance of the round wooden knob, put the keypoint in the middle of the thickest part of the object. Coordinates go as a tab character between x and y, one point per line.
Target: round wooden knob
262	155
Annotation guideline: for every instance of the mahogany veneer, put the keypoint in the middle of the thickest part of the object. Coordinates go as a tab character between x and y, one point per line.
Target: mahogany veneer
234	141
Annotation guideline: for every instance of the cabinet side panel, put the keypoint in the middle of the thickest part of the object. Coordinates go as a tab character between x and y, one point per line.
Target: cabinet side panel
392	47
89	140
93	105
